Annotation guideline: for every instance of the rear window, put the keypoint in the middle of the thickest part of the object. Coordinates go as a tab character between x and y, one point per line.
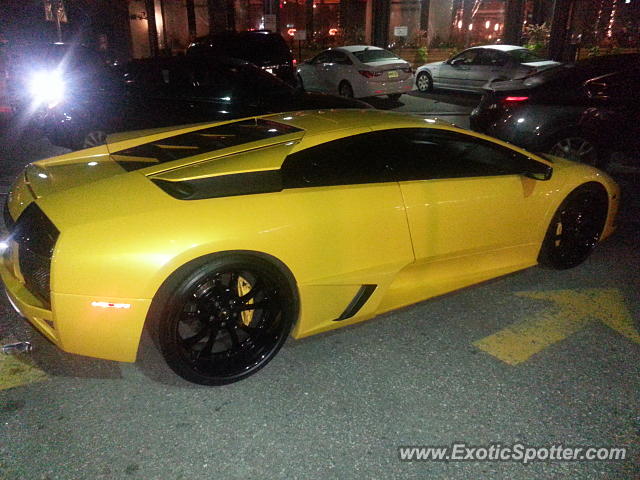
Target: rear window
200	141
368	56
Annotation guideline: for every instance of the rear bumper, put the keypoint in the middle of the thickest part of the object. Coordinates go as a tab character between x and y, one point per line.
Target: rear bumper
371	89
75	324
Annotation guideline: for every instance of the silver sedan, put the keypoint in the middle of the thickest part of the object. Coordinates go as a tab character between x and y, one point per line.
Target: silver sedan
477	67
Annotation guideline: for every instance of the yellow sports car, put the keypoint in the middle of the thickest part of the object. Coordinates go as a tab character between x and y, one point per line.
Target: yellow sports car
227	237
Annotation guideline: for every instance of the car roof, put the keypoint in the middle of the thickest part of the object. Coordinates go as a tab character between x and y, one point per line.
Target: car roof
357	48
502	48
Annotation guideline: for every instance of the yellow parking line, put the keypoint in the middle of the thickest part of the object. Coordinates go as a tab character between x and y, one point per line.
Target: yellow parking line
17	370
573	310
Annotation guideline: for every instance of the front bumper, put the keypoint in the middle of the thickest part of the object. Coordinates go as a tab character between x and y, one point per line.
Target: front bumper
77	323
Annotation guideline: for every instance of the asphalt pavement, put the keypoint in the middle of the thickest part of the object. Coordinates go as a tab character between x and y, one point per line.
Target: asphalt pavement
338	405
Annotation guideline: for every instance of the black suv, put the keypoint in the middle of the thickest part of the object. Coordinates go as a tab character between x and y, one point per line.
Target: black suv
587	112
266	50
168	91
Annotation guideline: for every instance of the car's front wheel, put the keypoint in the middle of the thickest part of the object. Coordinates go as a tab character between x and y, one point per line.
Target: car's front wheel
575	228
424	82
226	319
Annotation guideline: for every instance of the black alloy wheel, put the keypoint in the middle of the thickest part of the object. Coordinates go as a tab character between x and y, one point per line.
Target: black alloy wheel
94	138
576	148
575	229
226	320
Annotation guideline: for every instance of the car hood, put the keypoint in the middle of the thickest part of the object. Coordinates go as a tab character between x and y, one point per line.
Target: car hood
83	167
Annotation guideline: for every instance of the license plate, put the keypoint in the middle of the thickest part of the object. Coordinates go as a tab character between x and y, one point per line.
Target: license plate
393	74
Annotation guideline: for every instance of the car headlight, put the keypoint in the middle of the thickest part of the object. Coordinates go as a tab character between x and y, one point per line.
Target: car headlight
47	88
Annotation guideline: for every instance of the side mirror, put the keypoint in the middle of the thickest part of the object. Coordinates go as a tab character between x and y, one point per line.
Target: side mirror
539	172
456	61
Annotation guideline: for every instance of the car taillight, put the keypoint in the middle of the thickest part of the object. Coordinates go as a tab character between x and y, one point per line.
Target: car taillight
295	62
515	99
369	74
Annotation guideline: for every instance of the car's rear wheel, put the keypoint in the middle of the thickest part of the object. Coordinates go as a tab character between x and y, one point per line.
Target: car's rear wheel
394	97
345	89
226	319
575	228
575	147
424	82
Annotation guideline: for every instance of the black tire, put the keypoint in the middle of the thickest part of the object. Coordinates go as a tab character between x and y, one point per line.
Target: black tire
424	82
394	97
575	228
576	147
224	320
345	89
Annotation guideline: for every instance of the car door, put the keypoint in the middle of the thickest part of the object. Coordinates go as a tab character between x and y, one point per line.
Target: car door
613	116
471	211
489	65
335	69
453	72
354	221
311	72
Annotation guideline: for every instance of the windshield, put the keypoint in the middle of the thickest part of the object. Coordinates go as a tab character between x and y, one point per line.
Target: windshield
523	55
368	56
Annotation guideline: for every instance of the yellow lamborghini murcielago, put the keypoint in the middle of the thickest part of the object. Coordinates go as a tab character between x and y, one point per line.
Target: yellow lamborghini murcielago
225	238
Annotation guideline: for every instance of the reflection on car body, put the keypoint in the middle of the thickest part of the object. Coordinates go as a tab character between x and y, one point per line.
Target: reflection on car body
227	237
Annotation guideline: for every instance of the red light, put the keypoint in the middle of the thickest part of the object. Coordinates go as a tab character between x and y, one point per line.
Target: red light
291	32
368	74
333	32
516	99
295	62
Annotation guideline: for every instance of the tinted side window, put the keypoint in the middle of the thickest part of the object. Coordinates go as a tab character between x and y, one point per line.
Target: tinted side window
467	57
431	154
492	58
342	58
358	159
617	87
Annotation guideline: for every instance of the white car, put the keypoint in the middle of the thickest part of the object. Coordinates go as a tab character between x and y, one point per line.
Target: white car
477	67
357	71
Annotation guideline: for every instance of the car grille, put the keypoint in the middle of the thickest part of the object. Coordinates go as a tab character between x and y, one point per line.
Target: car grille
36	237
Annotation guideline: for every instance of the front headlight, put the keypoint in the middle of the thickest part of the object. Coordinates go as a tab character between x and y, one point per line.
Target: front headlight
47	87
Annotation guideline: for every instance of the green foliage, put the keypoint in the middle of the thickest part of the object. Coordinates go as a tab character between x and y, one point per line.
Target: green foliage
421	55
537	36
593	51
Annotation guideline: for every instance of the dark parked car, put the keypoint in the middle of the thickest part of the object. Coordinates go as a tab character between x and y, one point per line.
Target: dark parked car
266	50
587	111
173	91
